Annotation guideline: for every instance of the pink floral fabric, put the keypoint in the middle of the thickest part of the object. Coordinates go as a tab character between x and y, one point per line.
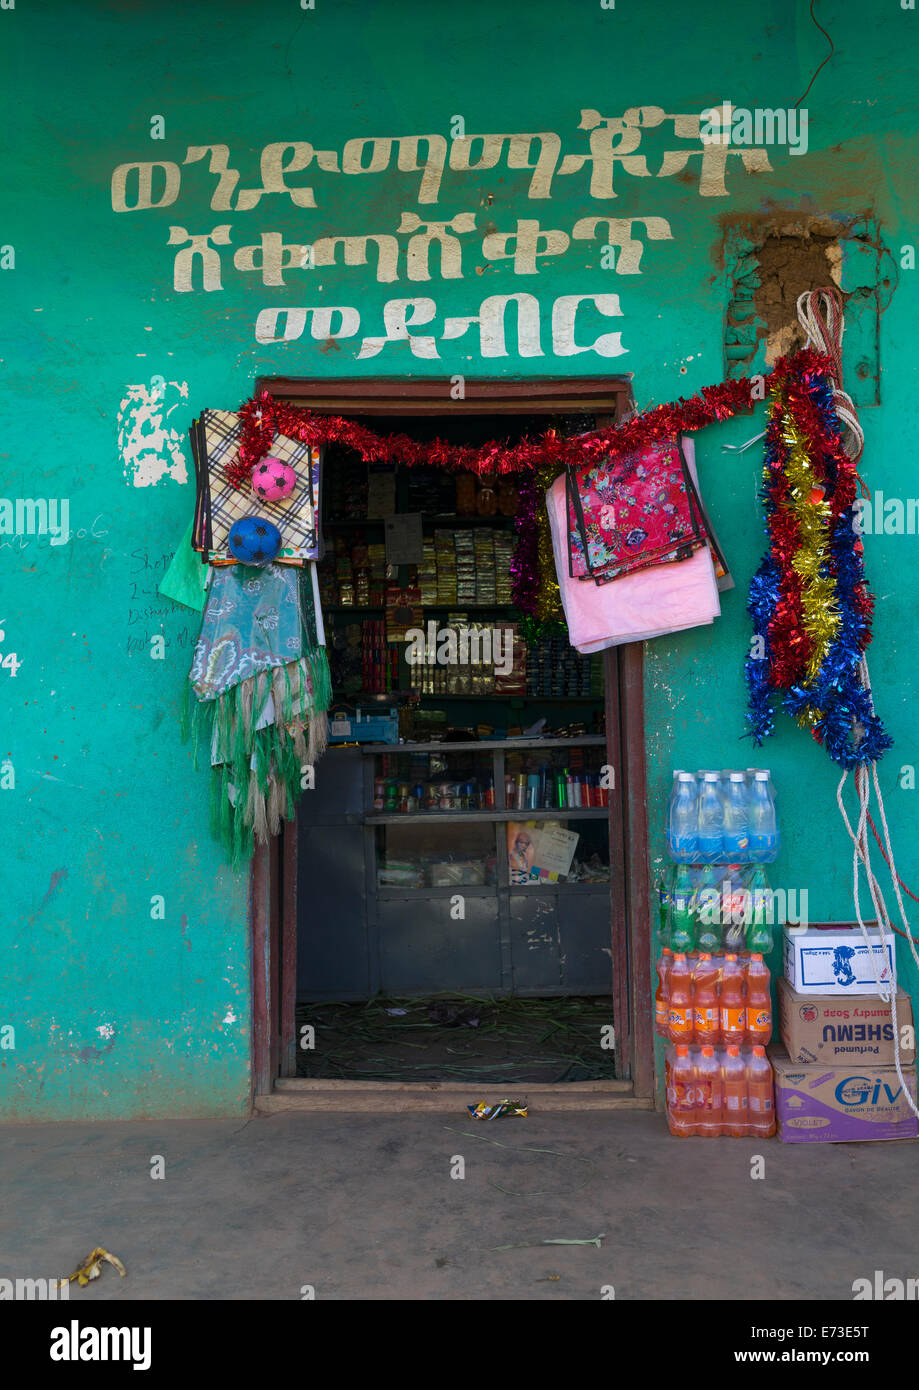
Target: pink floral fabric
631	511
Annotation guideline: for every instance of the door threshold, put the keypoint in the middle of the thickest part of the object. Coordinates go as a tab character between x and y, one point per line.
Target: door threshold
387	1097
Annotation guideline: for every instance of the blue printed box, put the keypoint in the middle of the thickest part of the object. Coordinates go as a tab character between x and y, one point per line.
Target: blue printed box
835	960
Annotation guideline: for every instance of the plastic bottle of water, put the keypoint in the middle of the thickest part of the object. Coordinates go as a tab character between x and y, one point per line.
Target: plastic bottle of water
711	820
761	821
736	842
681	825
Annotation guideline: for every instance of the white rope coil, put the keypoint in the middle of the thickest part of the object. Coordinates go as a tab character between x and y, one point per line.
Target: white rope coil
820	315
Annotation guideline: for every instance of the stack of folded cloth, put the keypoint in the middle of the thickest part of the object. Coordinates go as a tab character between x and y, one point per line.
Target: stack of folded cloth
631	548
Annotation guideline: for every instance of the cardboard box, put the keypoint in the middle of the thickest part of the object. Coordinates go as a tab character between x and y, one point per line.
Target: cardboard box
825	1028
840	1104
835	960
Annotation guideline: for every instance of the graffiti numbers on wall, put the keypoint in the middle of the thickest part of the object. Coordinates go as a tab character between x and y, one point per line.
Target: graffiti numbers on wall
9	661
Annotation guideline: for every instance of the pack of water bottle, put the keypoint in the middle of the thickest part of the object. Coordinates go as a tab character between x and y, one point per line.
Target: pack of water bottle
723	818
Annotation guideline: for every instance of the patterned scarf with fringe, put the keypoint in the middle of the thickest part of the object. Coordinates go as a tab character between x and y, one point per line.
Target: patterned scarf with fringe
261	677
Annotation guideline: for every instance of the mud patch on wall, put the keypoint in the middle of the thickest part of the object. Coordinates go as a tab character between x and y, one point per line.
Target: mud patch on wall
789	265
770	259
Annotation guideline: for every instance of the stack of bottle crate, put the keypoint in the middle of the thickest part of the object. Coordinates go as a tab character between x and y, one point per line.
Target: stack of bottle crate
713	998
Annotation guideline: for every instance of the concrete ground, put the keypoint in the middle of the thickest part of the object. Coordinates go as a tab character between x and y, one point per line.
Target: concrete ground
364	1206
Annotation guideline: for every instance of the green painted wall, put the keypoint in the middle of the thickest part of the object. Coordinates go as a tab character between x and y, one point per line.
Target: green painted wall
117	1013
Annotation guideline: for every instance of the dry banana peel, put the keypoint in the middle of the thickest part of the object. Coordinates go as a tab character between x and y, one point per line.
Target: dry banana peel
91	1267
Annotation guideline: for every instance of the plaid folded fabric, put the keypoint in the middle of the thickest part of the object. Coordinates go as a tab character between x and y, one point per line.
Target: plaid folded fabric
631	511
215	442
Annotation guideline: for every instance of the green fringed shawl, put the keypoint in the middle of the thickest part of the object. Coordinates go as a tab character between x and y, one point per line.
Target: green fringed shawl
263	687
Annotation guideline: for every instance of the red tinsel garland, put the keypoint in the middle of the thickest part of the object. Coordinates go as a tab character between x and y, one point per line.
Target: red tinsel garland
263	417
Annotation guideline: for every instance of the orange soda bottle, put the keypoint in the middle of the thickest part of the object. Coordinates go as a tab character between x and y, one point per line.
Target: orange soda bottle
759	1002
762	1095
705	1010
733	1010
734	1075
662	994
680	1005
682	1112
709	1094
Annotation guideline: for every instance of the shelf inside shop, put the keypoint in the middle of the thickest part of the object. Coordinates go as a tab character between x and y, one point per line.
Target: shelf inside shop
512	745
477	891
487	814
458	607
394	696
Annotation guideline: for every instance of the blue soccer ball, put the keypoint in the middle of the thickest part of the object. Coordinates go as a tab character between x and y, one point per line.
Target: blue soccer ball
254	541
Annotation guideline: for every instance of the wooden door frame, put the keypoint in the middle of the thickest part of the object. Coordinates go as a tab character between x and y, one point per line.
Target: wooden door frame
273	875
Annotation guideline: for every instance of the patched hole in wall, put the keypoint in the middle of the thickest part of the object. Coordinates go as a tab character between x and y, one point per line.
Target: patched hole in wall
789	266
771	259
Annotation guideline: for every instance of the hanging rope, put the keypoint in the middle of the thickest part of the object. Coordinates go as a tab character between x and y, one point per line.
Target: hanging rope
820	313
862	855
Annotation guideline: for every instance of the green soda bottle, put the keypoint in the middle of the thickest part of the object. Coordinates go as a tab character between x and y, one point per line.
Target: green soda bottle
682	917
664	899
706	909
759	927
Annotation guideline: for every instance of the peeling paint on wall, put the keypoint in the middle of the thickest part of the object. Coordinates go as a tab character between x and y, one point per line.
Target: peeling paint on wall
152	449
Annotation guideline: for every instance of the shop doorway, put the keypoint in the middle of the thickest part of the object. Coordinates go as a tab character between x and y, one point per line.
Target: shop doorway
390	964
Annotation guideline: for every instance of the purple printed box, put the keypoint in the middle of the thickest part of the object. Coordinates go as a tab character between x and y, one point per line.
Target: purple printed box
841	1104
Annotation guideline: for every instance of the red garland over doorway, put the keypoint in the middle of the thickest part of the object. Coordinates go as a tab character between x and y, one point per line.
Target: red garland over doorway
263	417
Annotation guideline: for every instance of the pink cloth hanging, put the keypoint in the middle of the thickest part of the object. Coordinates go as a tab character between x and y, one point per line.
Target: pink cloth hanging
636	607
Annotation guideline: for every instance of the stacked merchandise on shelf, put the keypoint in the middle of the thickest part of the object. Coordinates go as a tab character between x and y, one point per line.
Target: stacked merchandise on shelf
836	1071
445	557
503	547
484	566
354	573
713	999
347	489
555	669
474	672
464	546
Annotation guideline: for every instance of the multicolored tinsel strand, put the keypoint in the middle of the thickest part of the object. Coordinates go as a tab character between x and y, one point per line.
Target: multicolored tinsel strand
809	600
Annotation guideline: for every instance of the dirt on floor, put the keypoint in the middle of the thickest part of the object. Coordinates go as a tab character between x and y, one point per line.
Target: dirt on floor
459	1038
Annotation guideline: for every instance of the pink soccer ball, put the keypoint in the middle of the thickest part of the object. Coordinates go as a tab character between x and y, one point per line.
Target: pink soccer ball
272	479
